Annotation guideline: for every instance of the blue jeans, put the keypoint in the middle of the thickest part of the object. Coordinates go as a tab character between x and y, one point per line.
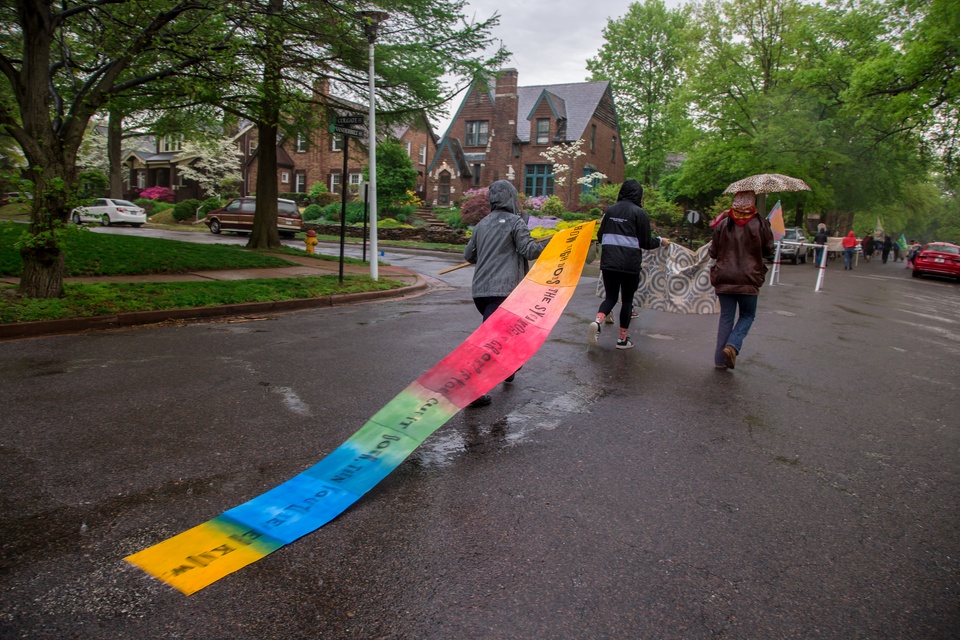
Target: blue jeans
728	332
848	258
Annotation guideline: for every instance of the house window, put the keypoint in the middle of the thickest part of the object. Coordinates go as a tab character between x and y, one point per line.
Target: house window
476	175
476	133
300	186
336	142
538	180
334	183
423	154
355	180
141	180
302	142
407	145
593	137
171	143
543	130
613	152
253	146
285	177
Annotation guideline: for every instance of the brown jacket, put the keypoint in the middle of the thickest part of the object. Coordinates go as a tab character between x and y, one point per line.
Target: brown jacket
739	252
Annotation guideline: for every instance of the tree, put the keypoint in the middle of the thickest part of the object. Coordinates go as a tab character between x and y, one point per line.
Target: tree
641	57
288	46
562	158
62	64
213	163
395	173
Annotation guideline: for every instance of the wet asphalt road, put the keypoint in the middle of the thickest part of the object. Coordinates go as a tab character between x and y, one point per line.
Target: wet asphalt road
810	493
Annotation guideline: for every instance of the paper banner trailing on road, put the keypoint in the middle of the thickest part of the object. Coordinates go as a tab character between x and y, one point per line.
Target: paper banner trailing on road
202	555
675	279
776	222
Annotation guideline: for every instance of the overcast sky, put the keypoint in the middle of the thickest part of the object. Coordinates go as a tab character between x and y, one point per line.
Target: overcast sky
550	39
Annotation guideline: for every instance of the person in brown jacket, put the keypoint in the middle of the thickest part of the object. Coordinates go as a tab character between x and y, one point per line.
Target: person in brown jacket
740	242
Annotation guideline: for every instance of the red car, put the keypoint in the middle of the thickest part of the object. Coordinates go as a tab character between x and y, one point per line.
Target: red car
939	259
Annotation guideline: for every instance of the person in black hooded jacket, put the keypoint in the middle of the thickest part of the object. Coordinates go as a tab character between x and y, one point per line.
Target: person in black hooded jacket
624	233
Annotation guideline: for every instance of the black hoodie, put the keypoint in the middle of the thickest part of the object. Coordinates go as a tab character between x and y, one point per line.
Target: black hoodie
624	231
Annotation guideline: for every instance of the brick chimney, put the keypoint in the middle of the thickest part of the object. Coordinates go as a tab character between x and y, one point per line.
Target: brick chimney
506	103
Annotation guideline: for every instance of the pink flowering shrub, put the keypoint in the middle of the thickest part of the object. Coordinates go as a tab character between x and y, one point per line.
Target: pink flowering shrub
474	206
160	194
534	203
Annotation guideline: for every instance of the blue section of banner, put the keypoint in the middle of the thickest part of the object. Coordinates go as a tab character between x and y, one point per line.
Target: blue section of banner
293	509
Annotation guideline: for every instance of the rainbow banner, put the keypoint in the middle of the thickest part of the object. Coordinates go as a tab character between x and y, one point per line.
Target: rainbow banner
202	555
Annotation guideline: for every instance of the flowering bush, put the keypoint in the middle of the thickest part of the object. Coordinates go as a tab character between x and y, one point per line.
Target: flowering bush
160	194
475	207
535	203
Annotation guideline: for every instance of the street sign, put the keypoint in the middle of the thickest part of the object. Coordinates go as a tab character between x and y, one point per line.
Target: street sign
693	216
348	120
346	131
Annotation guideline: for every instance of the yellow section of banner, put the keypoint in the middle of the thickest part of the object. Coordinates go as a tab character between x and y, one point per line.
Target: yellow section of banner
224	548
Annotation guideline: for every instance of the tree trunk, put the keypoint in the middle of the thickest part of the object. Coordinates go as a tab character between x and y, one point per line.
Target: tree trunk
265	234
114	146
42	255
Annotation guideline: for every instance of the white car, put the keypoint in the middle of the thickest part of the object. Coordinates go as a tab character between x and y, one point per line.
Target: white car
108	211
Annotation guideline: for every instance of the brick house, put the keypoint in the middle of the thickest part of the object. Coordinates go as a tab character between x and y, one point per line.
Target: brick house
499	133
302	159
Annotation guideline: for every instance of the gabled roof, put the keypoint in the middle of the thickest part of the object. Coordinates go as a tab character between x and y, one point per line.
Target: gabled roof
557	105
579	101
456	153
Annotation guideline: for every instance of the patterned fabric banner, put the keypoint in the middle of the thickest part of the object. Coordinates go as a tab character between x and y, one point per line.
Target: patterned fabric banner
676	280
202	555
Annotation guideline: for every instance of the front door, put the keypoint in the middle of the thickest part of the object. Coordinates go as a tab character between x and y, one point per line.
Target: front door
444	198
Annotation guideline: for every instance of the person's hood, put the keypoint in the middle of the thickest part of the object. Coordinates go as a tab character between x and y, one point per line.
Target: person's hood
503	197
850	235
633	191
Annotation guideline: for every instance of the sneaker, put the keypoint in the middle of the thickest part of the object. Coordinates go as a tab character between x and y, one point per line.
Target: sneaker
609	319
730	356
482	401
593	333
634	313
625	343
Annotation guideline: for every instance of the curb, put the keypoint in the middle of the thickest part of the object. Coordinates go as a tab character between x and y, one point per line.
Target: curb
41	328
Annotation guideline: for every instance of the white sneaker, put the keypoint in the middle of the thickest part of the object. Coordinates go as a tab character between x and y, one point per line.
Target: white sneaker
626	343
593	333
609	319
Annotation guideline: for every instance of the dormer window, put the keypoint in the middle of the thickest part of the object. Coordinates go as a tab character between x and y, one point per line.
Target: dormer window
302	142
171	143
476	133
543	130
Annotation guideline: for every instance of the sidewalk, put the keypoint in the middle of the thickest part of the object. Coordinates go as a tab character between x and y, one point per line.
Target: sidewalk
414	283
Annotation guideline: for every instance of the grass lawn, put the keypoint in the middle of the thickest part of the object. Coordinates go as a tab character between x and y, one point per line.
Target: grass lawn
95	254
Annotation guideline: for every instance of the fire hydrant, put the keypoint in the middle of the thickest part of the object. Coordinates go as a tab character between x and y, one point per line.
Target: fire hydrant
311	240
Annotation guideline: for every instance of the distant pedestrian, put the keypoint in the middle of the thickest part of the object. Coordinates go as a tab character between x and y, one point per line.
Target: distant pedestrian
623	235
820	238
849	246
740	244
500	246
885	249
896	252
868	246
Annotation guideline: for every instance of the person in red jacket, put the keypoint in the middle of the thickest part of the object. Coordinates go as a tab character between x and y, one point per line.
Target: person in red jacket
849	246
741	241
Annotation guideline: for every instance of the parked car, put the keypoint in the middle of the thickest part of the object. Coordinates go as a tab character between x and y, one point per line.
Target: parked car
938	258
238	216
108	211
792	252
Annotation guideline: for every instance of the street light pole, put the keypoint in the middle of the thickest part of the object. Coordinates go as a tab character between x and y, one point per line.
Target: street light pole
372	20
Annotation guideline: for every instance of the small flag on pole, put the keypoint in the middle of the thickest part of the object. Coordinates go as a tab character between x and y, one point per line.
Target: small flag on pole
776	222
